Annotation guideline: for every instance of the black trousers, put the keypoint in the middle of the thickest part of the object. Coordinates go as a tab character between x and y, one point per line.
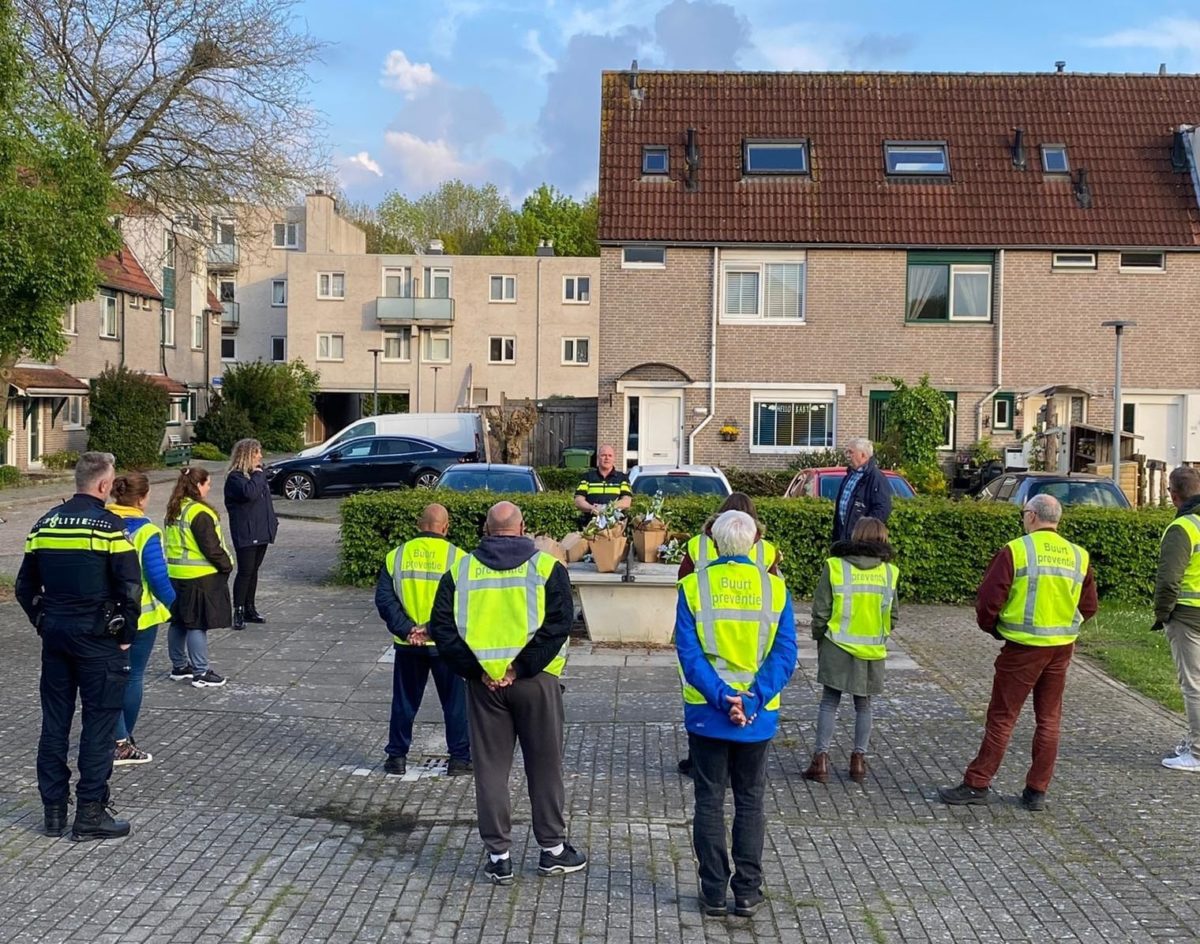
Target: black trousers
245	581
76	663
717	764
410	674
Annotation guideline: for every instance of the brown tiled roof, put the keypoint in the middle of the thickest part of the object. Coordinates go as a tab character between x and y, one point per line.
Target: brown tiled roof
124	273
173	387
43	381
1118	127
213	304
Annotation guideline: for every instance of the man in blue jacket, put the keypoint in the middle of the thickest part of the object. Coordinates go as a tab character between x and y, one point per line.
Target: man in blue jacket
736	642
864	493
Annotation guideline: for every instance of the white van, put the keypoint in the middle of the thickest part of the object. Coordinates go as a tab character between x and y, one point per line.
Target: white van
463	431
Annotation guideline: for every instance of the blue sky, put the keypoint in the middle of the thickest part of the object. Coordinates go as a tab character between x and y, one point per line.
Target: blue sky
507	91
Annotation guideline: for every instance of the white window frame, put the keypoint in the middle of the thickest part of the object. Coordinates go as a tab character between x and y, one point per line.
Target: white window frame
222	296
291	236
1162	261
390	333
757	264
432	274
573	282
282	285
404	273
187	407
330	338
233	341
571	359
440	334
1009	406
169	249
508	289
198	331
1066	159
656	151
73	413
1074	261
326	286
108	306
751	145
70	320
898	148
508	349
952	422
957	269
626	264
166	320
826	398
274	359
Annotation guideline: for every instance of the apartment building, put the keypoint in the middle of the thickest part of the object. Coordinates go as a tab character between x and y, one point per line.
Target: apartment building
780	244
430	332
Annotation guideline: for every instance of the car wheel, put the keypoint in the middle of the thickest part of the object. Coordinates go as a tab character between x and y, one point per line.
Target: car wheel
299	487
426	479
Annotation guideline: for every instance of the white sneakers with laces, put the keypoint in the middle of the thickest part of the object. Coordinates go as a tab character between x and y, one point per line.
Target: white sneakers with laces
1184	758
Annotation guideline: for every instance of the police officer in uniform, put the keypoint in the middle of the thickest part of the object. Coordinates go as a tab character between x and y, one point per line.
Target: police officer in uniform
404	595
80	584
735	637
1037	591
602	486
502	620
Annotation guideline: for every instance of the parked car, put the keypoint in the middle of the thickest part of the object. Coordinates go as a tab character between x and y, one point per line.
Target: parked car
371	462
1073	488
491	477
825	482
678	480
463	431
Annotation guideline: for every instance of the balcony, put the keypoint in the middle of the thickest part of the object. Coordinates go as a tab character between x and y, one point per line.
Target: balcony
223	256
398	311
231	317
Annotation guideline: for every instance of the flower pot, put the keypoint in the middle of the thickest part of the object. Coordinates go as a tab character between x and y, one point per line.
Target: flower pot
729	437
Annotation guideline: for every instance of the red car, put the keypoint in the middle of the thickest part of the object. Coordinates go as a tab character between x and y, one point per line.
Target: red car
824	483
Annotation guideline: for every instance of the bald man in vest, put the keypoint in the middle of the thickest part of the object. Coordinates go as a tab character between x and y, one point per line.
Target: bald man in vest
502	620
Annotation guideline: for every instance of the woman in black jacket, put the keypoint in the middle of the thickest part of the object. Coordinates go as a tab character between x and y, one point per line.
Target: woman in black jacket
252	525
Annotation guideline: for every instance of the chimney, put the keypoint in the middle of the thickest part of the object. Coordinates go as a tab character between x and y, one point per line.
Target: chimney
436	247
1162	68
1060	65
1083	193
545	247
1018	149
692	159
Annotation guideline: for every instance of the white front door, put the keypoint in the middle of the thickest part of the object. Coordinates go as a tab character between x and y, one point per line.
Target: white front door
659	432
1157	422
33	427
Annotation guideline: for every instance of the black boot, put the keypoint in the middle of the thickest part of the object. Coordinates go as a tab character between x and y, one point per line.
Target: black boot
92	821
253	616
239	617
56	819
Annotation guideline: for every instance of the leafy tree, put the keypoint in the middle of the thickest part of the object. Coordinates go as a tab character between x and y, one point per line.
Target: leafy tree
461	215
129	415
55	200
547	213
277	398
915	428
222	426
365	217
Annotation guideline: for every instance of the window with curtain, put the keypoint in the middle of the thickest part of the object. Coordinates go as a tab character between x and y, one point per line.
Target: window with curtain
764	290
790	424
949	287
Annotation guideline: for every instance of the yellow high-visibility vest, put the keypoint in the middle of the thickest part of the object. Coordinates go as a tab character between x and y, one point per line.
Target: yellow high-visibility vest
498	611
422	563
185	560
1189	586
703	551
861	620
154	611
737	608
1043	604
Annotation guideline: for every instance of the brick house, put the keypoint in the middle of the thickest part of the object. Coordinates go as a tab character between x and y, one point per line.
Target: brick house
772	244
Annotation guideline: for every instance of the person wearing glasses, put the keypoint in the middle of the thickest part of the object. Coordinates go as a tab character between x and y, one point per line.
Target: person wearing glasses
1036	592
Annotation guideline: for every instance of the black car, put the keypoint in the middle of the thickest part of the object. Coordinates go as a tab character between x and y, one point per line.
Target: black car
1075	488
370	462
491	477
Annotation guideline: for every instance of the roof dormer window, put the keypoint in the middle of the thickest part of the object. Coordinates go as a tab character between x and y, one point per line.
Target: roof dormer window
775	157
917	158
656	160
1054	159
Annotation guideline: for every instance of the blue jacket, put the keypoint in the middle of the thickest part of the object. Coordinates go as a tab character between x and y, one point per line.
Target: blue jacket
712	719
154	560
872	498
251	512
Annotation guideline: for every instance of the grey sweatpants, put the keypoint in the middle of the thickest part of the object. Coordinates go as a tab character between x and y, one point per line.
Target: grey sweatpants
529	711
1185	649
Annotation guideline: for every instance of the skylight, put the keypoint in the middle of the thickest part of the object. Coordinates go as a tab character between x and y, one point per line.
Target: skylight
775	157
1054	159
920	158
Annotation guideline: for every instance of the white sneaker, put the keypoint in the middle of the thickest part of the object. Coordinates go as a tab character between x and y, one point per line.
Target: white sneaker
1186	761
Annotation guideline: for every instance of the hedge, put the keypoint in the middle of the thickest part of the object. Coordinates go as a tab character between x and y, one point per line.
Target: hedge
10	475
942	546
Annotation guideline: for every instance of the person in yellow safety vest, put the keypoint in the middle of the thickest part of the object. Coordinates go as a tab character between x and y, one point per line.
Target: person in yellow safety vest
199	564
502	620
701	551
404	593
603	487
130	494
853	610
735	639
1037	591
1177	606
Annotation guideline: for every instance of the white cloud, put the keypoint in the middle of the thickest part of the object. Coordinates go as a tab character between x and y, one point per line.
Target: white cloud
405	76
364	160
1167	34
532	44
425	164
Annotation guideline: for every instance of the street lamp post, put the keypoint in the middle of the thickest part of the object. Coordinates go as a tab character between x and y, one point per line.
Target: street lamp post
435	373
1120	327
375	352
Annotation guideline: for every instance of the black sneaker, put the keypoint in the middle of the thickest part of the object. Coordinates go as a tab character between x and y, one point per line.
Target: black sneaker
713	909
209	679
499	873
459	768
569	860
395	766
745	907
963	795
1033	800
184	674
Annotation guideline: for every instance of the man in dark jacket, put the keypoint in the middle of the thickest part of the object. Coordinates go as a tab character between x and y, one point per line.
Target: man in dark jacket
864	493
502	620
1177	606
80	584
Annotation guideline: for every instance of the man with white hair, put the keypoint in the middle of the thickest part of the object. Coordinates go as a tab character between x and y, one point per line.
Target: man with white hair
736	643
1037	591
864	492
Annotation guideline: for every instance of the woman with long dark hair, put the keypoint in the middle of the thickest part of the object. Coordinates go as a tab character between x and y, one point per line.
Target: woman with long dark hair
199	566
130	493
252	525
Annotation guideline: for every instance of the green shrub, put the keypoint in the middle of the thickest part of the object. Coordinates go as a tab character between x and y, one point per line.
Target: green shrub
942	546
277	398
208	452
819	459
10	475
60	461
128	417
560	480
223	425
769	483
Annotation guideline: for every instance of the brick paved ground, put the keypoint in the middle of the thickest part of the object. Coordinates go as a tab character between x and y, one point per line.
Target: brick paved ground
265	816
